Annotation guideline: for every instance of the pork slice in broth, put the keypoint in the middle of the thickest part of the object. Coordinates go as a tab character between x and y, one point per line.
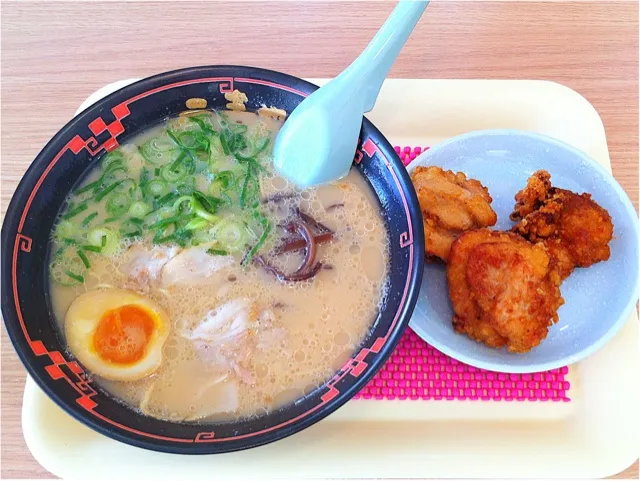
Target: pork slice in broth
190	390
268	335
143	266
193	266
225	336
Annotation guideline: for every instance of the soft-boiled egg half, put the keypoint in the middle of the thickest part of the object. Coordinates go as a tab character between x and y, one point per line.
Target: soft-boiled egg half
117	334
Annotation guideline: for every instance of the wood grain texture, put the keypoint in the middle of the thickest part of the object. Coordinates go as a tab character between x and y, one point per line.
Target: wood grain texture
54	54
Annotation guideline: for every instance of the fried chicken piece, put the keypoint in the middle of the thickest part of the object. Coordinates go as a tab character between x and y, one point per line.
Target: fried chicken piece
573	227
502	289
451	204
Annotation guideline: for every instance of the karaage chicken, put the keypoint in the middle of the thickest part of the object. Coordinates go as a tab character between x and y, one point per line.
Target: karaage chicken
502	290
575	229
451	204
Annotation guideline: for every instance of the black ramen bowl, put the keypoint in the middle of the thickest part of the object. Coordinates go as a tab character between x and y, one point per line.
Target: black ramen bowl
101	128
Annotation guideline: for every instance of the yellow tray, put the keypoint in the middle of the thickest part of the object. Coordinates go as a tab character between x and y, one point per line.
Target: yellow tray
595	435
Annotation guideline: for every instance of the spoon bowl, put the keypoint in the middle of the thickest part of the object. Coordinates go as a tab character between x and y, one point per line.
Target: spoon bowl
317	143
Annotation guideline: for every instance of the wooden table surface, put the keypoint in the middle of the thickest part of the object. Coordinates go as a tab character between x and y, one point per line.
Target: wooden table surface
56	53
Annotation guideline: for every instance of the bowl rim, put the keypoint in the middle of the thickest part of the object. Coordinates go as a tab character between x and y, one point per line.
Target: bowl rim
37	167
583	353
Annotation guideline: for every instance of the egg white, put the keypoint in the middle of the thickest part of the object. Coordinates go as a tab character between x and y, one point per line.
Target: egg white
82	320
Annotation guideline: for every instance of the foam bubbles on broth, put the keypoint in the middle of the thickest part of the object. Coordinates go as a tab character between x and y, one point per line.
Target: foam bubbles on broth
315	325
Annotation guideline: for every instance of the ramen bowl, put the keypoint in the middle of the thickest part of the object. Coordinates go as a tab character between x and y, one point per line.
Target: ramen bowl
65	160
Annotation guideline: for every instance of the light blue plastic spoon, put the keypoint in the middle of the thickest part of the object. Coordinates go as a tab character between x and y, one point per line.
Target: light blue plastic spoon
318	141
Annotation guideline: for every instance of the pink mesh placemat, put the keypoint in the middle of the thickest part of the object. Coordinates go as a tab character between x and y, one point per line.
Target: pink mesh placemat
418	371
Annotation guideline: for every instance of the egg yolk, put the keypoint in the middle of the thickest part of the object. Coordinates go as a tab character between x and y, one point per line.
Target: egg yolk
122	334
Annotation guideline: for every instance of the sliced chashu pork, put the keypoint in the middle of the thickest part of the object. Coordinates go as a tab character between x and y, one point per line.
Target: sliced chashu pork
225	336
190	390
193	266
143	266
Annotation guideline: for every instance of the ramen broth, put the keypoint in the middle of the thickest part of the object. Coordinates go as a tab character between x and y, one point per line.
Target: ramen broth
273	340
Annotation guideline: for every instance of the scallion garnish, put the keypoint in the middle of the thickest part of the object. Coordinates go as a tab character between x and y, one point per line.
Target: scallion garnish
217	252
75	211
87	220
75	277
83	258
196	185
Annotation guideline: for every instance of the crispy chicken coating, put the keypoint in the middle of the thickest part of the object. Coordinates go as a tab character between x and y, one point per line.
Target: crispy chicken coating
451	204
575	229
502	289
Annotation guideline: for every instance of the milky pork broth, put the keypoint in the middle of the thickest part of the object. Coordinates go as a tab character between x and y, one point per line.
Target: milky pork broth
203	286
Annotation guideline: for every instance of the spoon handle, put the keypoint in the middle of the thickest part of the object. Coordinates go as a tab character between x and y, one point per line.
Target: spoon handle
372	66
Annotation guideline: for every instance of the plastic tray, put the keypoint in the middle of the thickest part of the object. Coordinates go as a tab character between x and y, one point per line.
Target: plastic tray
594	435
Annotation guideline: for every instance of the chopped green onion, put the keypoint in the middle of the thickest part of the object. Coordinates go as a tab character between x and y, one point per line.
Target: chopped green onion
185	189
182	235
112	157
250	187
193	141
225	178
65	229
239	128
239	142
243	192
216	152
159	150
217	252
244	158
204	175
75	211
207	128
139	209
206	215
165	199
106	238
226	198
129	228
173	137
250	160
171	220
179	160
87	220
258	166
177	235
106	191
225	142
75	277
185	198
118	204
196	224
88	187
112	169
232	235
133	187
156	187
173	174
83	258
144	176
261	144
208	203
249	257
159	214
